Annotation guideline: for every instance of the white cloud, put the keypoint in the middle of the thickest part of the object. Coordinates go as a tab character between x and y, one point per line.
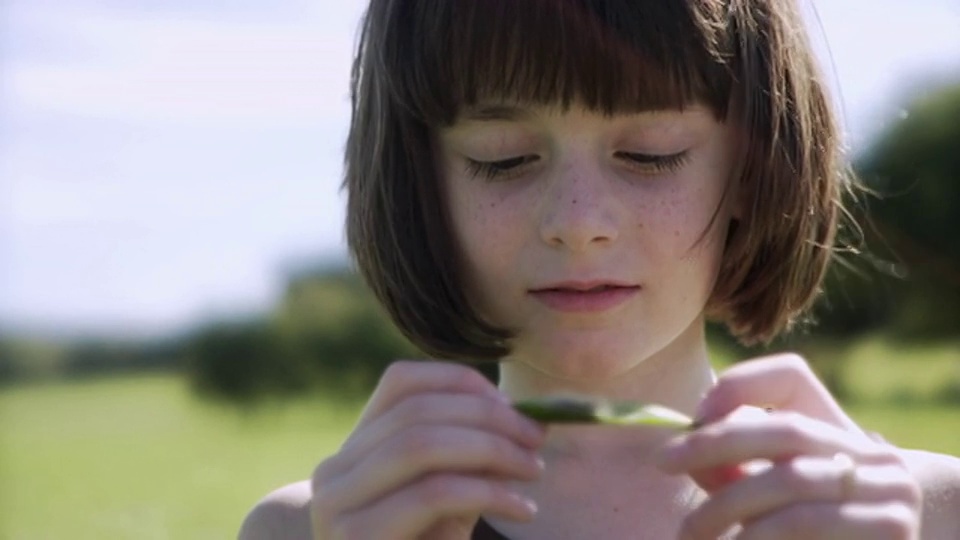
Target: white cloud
186	71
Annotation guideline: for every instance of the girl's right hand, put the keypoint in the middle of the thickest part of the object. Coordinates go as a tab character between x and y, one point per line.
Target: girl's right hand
436	446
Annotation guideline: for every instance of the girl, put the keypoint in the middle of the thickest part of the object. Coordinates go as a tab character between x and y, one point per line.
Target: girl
572	188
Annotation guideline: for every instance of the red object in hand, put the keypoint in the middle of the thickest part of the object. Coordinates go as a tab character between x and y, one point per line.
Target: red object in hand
712	480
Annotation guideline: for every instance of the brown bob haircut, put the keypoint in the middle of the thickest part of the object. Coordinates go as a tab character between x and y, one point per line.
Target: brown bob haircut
420	62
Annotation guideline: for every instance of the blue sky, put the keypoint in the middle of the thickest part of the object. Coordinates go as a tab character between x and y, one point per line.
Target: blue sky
162	162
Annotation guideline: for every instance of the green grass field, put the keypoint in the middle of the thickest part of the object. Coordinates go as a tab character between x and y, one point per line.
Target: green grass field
140	457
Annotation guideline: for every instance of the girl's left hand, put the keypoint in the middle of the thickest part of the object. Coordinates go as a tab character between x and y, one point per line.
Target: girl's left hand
822	476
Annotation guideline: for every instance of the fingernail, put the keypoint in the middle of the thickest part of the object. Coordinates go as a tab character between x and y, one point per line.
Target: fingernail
528	504
531	505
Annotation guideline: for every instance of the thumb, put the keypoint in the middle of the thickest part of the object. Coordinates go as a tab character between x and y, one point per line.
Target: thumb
781	382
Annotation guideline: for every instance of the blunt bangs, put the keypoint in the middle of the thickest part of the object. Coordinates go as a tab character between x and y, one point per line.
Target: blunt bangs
607	55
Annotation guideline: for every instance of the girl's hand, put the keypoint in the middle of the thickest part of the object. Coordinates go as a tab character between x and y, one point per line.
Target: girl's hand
803	471
436	446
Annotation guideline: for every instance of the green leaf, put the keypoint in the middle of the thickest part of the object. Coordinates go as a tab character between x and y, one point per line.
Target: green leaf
575	410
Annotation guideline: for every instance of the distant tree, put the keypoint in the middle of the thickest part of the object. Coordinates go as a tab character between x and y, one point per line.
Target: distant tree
334	320
327	332
245	361
29	358
8	367
907	279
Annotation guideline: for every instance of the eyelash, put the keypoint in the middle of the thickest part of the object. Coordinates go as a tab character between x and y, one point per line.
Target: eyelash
656	163
508	168
501	169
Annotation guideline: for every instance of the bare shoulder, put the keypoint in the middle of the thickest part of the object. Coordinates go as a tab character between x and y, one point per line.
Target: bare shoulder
939	477
284	514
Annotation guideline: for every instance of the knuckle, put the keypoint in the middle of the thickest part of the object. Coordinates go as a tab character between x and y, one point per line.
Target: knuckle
414	409
888	455
898	522
706	439
436	489
469	377
323	474
501	450
398	372
911	493
788	418
417	444
795	363
791	430
498	417
490	409
793	478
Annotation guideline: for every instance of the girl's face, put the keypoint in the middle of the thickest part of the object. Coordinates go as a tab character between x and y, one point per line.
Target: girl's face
589	235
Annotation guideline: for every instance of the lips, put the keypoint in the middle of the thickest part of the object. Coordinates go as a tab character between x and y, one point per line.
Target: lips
597	288
585	296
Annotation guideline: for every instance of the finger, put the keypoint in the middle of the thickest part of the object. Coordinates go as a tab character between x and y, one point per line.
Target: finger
774	437
404	378
830	521
782	382
409	512
798	480
422	450
473	411
715	478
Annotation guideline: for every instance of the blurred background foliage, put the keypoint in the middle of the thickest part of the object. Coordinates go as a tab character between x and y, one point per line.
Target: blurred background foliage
907	281
327	332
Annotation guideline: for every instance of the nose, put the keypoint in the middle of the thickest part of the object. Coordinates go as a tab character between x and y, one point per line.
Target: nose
579	208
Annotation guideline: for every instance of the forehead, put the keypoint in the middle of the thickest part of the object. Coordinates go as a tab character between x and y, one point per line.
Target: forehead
450	56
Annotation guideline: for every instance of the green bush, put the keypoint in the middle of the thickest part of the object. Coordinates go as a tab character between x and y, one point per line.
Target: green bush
327	332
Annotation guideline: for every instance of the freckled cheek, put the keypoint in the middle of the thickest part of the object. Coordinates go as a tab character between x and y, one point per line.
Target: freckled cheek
676	229
479	219
676	221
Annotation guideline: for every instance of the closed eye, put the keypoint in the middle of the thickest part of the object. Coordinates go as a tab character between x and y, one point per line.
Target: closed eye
654	163
499	169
